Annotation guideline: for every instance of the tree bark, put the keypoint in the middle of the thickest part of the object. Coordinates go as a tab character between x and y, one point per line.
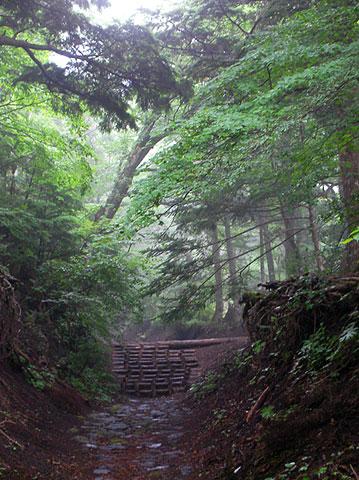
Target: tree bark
216	257
125	175
233	314
292	255
349	170
269	253
261	244
265	243
315	238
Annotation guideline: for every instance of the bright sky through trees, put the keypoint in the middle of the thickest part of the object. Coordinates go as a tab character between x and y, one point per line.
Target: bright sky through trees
122	10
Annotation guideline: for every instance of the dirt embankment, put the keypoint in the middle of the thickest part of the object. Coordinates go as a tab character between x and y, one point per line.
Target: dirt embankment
36	412
287	407
35	430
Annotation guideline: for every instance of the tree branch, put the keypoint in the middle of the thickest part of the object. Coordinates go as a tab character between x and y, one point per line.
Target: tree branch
13	42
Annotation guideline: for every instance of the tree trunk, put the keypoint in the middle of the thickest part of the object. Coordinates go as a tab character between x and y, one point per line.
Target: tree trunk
261	245
233	314
13	180
315	238
269	253
216	257
265	242
292	255
144	144
302	238
349	170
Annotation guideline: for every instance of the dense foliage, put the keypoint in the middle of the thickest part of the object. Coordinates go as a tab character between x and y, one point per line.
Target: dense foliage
247	162
269	140
103	69
73	282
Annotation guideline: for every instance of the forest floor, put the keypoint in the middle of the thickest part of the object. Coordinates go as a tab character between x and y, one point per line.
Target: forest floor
55	435
284	408
140	439
36	431
144	439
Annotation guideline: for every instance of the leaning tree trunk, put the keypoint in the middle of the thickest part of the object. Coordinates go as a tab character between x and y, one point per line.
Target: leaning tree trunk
233	314
349	170
143	146
216	258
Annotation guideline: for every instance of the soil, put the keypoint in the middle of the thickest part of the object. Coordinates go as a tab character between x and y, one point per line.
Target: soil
263	413
212	357
274	412
317	425
35	431
55	435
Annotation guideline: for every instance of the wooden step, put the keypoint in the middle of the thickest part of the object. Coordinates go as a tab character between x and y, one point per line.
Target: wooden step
150	369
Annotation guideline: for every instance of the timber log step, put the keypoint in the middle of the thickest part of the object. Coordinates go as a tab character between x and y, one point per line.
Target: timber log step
159	368
154	369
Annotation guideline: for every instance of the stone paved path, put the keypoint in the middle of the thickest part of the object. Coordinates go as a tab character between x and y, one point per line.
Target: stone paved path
138	440
142	438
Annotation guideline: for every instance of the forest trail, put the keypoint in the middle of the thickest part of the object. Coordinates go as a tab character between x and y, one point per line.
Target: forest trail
179	170
139	440
142	438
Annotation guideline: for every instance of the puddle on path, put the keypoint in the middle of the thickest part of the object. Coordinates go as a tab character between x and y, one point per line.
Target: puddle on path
138	440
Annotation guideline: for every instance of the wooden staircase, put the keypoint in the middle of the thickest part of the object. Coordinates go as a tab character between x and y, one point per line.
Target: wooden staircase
153	369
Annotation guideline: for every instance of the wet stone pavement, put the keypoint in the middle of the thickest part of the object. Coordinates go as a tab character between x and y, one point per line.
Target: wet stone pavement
140	439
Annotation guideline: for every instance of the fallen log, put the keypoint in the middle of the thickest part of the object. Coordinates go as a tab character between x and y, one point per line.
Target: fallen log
196	343
203	342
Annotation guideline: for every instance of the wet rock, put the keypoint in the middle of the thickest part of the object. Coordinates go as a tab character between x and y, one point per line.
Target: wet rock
118	426
173	454
150	428
147	464
102	471
175	436
103	458
114	447
185	470
158	468
157	413
90	445
82	439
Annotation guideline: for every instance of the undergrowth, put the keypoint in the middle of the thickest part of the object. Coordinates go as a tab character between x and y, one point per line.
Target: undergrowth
285	407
